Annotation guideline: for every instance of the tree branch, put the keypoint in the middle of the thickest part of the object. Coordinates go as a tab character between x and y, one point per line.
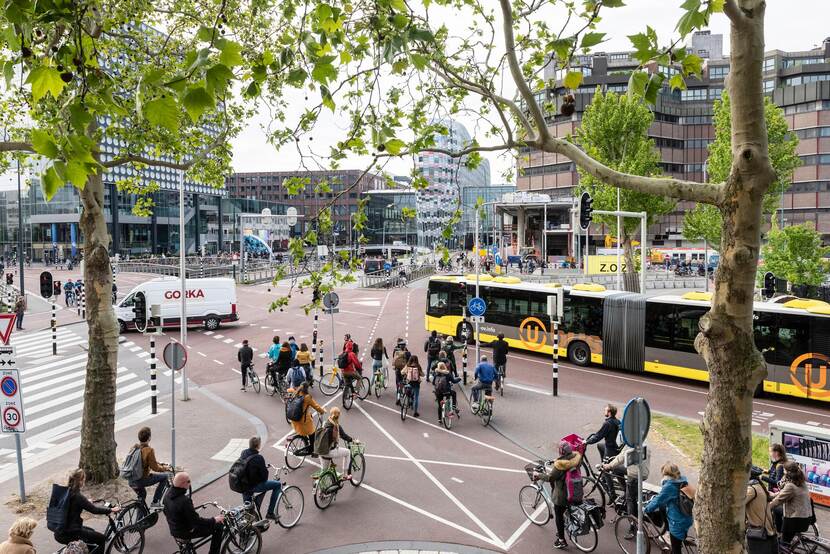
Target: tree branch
733	12
516	72
455	153
705	193
12	146
183	166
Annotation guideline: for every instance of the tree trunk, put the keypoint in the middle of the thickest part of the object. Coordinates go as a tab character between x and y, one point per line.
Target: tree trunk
631	279
726	339
98	429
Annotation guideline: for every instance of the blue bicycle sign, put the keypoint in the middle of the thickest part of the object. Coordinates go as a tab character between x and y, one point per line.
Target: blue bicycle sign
476	306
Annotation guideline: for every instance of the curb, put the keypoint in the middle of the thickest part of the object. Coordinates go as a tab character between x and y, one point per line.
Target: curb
409	546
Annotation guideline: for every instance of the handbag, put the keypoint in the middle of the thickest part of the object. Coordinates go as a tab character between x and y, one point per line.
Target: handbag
757	533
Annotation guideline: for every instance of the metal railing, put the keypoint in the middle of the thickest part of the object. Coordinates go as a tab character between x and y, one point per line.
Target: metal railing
255	272
382	279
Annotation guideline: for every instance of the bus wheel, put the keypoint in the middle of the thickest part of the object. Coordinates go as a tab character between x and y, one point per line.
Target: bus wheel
579	353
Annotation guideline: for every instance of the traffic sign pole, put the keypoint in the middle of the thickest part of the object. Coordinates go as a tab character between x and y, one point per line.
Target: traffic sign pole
54	330
11	409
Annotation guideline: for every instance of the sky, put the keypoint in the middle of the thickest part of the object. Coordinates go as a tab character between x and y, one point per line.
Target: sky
790	25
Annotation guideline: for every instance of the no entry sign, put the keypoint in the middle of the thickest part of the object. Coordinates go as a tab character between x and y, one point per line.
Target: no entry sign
12	417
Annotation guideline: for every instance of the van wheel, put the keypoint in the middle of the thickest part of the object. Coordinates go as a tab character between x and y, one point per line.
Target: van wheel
122	327
579	353
212	323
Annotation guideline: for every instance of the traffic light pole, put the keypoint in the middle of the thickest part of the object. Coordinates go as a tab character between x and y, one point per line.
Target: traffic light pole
478	271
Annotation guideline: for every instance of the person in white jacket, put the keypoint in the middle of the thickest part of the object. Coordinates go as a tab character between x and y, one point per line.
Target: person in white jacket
627	477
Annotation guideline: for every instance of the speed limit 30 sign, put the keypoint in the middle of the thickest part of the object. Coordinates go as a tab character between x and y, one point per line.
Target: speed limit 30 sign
12	419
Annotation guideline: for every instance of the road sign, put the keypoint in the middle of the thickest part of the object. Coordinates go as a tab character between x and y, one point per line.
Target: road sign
331	300
175	356
291	214
331	310
6	326
476	306
477	319
636	422
11	399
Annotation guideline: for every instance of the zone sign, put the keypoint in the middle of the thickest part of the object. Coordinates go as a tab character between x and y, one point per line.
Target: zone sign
11	399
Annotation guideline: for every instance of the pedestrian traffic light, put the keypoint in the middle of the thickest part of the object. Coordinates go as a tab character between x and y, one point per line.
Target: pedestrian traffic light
9	279
769	285
140	311
462	296
585	210
46	287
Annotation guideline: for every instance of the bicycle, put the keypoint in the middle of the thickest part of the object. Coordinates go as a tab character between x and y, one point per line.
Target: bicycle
331	381
298	447
137	512
119	537
448	411
500	370
327	482
274	382
483	408
625	531
536	502
406	400
239	535
349	391
289	509
253	378
380	379
806	543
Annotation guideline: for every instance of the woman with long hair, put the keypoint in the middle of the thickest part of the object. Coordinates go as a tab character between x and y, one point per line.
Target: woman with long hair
412	374
75	529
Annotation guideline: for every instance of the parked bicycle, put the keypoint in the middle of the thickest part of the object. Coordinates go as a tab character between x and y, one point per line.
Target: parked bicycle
327	482
121	538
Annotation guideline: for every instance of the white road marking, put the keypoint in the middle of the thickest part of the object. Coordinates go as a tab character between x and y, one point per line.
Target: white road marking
426	435
227	341
529	389
231	451
218	336
457	480
218	362
442	463
202	355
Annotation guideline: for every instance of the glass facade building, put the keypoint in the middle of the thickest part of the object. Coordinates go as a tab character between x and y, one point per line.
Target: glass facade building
385	221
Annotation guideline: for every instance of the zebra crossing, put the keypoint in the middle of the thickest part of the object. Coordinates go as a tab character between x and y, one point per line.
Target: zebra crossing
53	390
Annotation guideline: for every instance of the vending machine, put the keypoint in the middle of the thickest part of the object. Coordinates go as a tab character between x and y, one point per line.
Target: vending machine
809	446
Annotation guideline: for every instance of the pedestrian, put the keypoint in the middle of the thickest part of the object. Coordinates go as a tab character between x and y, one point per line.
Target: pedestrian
245	356
154	473
20	535
520	265
669	500
19	310
760	529
567	460
778	457
412	374
432	346
796	511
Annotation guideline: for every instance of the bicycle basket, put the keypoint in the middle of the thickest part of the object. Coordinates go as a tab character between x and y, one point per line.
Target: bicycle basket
357	448
534	467
577	443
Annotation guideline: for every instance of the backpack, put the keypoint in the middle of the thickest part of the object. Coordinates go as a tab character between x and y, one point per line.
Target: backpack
132	469
294	408
433	347
238	475
442	385
686	500
413	374
573	485
58	509
343	360
296	375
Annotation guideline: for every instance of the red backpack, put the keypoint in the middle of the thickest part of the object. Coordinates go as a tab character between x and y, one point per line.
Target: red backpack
573	485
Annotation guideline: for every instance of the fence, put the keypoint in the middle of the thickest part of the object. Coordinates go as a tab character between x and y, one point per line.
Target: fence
380	279
255	272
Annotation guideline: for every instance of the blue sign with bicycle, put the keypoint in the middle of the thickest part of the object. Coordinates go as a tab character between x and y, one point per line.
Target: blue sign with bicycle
476	306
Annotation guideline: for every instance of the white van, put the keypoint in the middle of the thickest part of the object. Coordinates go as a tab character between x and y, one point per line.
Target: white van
210	302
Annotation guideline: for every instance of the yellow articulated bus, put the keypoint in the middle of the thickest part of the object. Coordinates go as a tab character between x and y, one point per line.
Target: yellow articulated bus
622	330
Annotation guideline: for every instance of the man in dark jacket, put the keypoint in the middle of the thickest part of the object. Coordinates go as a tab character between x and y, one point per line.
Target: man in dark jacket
432	347
607	434
245	357
256	476
183	519
500	348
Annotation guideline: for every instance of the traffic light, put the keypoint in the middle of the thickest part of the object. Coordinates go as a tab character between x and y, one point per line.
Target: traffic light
9	279
462	296
769	285
140	311
585	210
46	284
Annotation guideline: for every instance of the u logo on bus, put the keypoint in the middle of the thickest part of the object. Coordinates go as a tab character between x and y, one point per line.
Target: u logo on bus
814	382
532	333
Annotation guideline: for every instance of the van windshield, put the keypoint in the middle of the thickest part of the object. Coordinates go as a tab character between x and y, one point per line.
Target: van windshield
128	301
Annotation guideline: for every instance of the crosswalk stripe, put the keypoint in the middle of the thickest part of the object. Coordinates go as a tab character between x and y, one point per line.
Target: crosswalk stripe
78	380
34	424
36	337
45	342
64	398
32	378
61	346
26	371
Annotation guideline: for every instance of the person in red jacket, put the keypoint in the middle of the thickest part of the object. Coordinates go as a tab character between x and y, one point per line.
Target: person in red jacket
354	369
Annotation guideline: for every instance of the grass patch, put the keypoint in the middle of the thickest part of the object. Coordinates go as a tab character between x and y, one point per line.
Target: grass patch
685	435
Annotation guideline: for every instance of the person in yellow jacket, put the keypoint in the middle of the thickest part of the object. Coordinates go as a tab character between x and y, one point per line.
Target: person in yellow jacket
304	360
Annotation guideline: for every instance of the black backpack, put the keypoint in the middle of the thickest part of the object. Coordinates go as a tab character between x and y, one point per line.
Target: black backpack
433	347
442	385
294	408
238	475
58	509
343	360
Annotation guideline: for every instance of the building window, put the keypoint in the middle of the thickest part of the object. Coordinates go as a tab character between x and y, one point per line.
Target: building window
769	64
718	71
668	142
802	61
620	57
549	169
715	93
816	159
693	94
813	132
769	85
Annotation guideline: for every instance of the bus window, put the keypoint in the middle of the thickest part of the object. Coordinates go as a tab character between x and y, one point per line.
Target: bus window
583	315
520	305
438	301
793	339
659	324
497	306
766	334
686	329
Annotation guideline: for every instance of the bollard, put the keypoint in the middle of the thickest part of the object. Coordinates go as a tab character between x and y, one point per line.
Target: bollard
464	363
314	341
555	358
83	303
321	359
77	295
153	373
54	330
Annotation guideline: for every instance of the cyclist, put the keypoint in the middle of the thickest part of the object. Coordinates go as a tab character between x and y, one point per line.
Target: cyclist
411	375
274	352
245	356
283	363
441	359
500	349
68	292
399	359
669	499
794	497
761	537
485	375
626	475
449	347
378	352
292	344
304	359
75	529
154	472
184	521
256	477
353	368
606	437
432	346
347	339
567	460
327	440
305	426
443	381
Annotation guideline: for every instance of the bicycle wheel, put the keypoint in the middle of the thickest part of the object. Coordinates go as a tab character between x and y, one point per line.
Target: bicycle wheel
533	505
128	539
242	541
446	414
269	384
322	498
330	382
131	514
292	459
594	490
364	388
348	397
357	467
586	542
290	506
385	377
404	406
254	378
487	414
625	540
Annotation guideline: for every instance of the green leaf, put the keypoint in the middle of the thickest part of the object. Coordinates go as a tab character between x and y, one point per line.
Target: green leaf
217	78
613	3
231	54
327	100
689	21
164	112
637	84
398	5
77	173
205	34
677	82
573	79
8	73
44	144
424	35
45	79
561	48
80	117
50	182
591	39
419	61
296	77
655	83
692	65
716	6
196	101
323	72
394	146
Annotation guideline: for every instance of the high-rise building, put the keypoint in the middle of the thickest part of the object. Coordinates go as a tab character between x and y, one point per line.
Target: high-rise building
447	178
798	82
